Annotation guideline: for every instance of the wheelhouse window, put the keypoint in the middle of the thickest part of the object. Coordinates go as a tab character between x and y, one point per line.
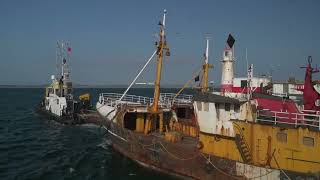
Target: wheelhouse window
308	141
282	137
243	83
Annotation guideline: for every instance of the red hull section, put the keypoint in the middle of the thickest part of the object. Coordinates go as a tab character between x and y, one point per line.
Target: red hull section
274	104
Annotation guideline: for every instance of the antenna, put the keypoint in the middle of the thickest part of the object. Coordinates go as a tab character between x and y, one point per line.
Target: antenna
247	58
248	78
207	52
57	57
164	17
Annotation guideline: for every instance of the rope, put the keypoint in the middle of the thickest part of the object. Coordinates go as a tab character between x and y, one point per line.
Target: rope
110	112
143	145
275	160
268	172
154	143
176	157
186	84
230	175
208	160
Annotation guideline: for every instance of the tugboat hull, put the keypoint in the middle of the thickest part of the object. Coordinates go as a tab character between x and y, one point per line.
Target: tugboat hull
60	119
77	118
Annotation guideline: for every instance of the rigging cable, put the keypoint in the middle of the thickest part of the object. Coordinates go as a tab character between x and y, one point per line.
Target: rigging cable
186	84
134	80
179	158
208	160
275	160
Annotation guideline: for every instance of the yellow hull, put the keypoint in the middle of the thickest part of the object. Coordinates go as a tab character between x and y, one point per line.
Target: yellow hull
291	149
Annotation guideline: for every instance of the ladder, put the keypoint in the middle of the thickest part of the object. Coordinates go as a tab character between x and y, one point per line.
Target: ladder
242	145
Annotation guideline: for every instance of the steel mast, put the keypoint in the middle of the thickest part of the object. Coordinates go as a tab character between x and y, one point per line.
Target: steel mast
161	47
205	68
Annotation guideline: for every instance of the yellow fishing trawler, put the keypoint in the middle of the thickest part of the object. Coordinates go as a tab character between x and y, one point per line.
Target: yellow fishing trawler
266	136
212	135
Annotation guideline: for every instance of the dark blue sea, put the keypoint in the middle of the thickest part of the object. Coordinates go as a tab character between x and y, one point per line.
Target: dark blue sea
33	147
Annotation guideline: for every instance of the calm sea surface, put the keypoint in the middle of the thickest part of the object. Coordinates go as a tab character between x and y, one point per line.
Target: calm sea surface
33	147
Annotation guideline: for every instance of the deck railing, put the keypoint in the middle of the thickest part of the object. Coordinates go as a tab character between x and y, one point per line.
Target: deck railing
113	99
181	99
280	94
293	119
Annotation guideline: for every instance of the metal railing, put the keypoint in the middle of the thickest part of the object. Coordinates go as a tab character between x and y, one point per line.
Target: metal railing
113	99
280	94
181	99
294	119
311	112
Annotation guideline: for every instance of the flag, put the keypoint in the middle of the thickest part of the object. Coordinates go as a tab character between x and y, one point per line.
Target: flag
230	41
69	50
196	78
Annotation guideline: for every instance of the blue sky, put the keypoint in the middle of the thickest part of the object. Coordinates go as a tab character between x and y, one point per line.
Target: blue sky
111	40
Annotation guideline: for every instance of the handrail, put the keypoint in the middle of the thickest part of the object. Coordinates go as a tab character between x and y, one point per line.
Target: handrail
113	99
181	99
296	119
280	94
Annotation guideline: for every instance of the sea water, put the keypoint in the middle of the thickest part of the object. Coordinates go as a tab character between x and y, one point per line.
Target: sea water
34	147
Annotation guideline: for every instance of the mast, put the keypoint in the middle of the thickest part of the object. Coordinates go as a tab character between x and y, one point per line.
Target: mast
206	67
63	77
161	46
249	82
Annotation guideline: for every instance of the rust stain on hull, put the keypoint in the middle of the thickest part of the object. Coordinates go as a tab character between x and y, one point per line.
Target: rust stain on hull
156	158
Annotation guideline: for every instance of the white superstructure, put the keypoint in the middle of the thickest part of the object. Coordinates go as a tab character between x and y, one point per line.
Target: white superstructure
240	83
58	97
215	112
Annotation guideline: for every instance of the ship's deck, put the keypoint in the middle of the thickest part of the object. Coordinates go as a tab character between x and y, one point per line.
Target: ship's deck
186	148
